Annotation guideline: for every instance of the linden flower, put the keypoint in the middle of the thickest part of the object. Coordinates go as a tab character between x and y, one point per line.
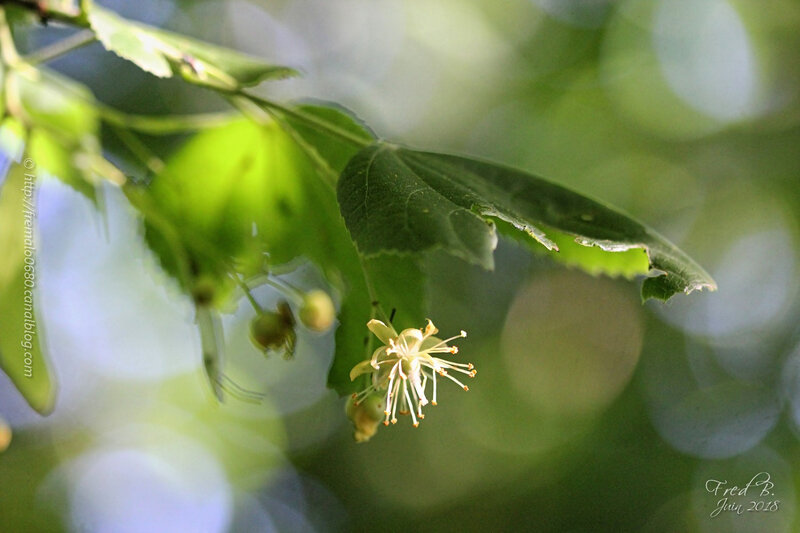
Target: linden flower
404	366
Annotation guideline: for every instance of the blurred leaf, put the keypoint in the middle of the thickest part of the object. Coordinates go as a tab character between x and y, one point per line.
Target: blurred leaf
3	72
399	200
12	144
21	357
54	102
58	161
64	126
226	182
230	194
162	53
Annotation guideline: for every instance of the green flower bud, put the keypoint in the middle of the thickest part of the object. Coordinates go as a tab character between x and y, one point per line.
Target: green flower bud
5	435
366	415
317	312
272	330
203	290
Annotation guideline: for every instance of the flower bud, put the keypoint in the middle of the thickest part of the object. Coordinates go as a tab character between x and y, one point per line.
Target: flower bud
272	330
5	435
203	290
317	312
267	331
366	416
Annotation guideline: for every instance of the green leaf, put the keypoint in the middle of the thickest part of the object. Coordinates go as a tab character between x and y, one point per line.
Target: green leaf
201	210
591	259
3	69
163	53
399	200
55	159
21	355
398	282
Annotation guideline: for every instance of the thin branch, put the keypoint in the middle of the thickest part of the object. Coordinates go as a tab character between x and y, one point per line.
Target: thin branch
59	48
163	125
317	123
139	149
73	16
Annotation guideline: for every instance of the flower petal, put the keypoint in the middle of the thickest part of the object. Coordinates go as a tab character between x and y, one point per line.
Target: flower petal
430	329
376	355
429	342
361	368
412	338
381	330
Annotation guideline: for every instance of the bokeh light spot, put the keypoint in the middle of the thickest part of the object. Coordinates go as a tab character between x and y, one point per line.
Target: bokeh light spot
571	342
178	488
705	55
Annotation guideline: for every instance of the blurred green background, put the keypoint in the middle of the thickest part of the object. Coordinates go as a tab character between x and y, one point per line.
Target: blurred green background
591	412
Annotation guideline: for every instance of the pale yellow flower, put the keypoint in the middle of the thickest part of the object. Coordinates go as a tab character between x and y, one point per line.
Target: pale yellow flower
404	365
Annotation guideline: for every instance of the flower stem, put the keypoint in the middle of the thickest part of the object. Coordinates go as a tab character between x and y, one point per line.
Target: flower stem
59	48
375	304
317	123
139	149
285	287
163	125
246	289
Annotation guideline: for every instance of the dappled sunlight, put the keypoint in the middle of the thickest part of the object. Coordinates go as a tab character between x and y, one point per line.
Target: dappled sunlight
229	192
